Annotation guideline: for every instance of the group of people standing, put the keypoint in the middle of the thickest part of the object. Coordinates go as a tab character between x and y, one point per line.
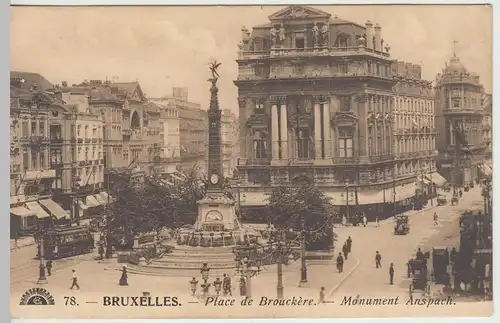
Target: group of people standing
346	250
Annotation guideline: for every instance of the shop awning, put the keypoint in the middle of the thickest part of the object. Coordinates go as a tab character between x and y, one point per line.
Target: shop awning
486	170
106	197
21	211
90	201
404	192
82	205
55	209
425	179
100	199
37	209
253	198
437	179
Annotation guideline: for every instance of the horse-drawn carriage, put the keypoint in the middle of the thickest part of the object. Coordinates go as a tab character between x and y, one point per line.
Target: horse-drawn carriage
440	262
402	225
417	270
441	200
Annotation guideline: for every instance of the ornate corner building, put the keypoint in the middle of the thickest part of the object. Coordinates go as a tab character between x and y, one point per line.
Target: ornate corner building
321	98
460	101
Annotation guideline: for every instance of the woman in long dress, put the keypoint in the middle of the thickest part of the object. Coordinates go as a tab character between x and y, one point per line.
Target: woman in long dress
124	277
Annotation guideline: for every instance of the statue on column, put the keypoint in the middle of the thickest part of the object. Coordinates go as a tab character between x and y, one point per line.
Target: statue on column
282	35
315	34
213	68
273	35
324	36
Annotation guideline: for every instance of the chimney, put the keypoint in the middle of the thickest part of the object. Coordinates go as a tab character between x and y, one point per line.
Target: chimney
369	34
378	38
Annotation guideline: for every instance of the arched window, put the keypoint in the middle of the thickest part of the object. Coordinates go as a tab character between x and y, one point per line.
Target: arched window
135	121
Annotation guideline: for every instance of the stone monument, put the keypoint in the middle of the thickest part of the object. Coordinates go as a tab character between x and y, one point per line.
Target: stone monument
216	212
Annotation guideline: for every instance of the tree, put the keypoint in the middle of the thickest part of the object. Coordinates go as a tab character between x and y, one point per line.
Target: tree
303	209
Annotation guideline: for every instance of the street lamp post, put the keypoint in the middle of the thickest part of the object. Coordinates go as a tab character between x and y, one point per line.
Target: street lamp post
41	277
303	267
279	287
346	185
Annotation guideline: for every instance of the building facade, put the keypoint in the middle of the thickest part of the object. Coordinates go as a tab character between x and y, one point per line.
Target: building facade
487	126
31	176
316	101
193	130
414	135
230	142
77	154
459	108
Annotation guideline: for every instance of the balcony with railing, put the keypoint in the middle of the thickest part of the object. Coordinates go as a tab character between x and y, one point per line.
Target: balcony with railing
312	52
345	160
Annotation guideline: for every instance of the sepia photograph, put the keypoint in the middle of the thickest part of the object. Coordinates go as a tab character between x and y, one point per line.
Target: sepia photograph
251	161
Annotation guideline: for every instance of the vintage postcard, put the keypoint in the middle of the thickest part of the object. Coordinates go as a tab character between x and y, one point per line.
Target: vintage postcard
251	161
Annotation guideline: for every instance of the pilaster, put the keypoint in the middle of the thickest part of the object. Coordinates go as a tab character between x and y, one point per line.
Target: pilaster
362	102
283	128
244	131
274	128
327	129
317	127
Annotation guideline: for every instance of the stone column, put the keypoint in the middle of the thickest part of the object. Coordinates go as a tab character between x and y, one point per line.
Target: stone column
317	127
361	108
327	129
244	131
274	129
283	128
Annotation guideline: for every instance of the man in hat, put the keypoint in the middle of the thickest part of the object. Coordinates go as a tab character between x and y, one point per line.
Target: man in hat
340	262
378	260
391	274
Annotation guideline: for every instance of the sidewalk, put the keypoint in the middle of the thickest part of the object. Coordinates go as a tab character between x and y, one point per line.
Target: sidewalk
21	243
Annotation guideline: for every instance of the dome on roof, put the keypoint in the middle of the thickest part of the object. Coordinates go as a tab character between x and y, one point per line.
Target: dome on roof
455	66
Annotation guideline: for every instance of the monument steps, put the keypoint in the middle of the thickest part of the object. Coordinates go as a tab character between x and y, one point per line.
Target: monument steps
204	250
175	272
196	257
189	261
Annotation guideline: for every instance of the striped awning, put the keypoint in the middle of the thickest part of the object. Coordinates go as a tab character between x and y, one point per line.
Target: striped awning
82	205
55	209
100	199
90	201
37	209
21	211
437	179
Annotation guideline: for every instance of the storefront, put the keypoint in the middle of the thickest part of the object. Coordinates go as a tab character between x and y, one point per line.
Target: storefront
26	214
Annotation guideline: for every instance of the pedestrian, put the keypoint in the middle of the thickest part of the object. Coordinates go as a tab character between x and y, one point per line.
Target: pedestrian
226	281
345	250
378	259
344	221
48	265
74	279
16	238
322	295
243	286
365	220
377	224
391	274
101	251
349	243
124	278
435	219
340	263
419	255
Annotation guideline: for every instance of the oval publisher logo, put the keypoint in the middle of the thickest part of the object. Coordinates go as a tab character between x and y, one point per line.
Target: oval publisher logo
37	296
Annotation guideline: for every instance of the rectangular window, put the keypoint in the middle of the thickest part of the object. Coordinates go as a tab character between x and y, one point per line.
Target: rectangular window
343	42
26	129
304	144
299	43
260	145
33	128
456	103
34	163
42	129
344	68
25	159
42	159
345	103
345	143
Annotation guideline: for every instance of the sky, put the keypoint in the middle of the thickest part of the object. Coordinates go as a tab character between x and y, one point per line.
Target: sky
163	47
